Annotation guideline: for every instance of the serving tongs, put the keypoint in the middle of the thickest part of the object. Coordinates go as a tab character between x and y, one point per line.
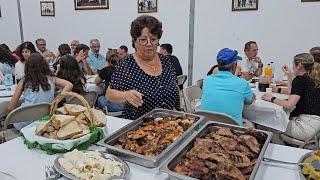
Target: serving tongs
314	163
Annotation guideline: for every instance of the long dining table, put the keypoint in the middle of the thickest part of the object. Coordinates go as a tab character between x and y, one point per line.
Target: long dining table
29	164
263	113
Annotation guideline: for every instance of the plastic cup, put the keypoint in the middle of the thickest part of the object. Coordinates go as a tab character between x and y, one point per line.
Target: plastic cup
268	90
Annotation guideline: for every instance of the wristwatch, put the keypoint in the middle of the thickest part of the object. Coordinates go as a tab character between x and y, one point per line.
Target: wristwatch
260	65
279	90
272	99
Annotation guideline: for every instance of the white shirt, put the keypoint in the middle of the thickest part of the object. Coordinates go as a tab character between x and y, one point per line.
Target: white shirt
19	70
247	65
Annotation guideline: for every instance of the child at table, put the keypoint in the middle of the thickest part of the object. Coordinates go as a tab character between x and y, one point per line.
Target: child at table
69	70
37	86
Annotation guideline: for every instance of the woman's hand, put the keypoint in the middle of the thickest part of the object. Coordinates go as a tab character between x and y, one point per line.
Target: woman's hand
286	71
134	97
266	97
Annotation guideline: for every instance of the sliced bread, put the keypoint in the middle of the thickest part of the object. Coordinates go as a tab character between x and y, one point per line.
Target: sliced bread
59	120
74	109
69	130
42	127
62	110
99	118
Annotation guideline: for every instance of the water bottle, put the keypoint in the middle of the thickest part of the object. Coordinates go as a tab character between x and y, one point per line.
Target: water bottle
272	64
8	79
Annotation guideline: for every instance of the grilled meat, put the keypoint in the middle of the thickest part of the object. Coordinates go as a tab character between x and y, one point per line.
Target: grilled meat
223	155
227	132
250	142
228	171
154	135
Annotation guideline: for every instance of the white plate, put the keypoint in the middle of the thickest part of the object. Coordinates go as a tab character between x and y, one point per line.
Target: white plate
125	168
6	93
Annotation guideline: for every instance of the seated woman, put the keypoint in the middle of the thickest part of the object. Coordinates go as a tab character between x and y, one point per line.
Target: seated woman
37	86
105	75
25	50
70	70
304	98
145	80
63	49
50	58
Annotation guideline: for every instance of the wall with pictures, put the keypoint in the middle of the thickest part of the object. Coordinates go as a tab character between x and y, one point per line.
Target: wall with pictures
281	28
9	23
111	26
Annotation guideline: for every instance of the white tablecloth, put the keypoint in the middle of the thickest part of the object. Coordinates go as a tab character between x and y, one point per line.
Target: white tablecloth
265	113
26	164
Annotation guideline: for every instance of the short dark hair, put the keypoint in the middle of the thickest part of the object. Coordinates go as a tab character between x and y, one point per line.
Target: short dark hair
81	47
167	47
64	49
125	48
225	67
145	21
248	45
39	39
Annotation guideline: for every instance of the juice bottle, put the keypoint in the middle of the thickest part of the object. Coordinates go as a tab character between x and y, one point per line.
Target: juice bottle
268	70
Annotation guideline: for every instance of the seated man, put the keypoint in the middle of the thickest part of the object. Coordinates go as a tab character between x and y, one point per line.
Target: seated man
95	60
81	55
123	51
249	67
223	92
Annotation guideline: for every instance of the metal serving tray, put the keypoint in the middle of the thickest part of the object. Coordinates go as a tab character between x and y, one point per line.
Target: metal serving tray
169	165
142	160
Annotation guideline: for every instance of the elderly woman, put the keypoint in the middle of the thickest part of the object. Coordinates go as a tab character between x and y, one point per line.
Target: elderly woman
304	98
145	79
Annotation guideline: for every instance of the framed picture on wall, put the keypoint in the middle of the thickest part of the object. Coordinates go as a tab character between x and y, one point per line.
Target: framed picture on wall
91	4
244	5
310	0
47	8
147	6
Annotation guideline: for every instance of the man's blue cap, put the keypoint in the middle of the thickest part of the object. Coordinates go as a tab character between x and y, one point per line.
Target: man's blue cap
227	56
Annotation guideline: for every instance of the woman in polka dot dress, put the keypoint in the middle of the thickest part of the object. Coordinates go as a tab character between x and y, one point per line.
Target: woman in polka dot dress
145	79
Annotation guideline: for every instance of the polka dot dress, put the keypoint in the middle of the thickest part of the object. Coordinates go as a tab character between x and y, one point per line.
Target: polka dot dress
158	91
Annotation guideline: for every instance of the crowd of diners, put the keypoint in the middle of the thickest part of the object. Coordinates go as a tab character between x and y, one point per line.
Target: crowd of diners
137	82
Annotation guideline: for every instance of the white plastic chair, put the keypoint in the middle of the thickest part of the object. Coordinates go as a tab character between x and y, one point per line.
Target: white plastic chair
191	95
218	117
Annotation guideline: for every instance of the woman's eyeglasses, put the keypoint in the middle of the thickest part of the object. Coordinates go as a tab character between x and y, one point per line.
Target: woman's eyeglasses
144	41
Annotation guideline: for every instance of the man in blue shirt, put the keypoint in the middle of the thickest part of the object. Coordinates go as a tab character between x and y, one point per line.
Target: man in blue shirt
95	60
224	92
